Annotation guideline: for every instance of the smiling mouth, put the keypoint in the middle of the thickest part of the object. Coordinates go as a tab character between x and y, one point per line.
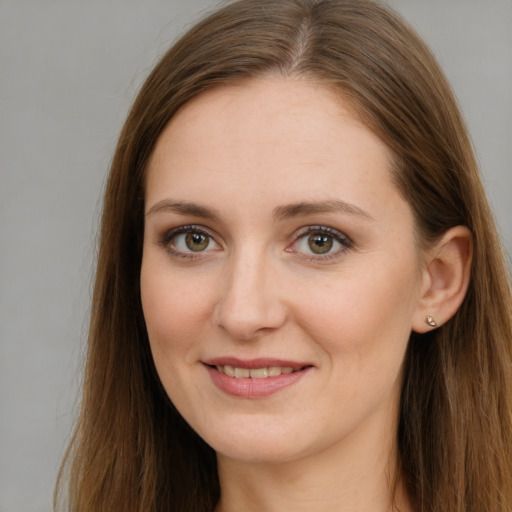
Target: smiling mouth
254	378
255	373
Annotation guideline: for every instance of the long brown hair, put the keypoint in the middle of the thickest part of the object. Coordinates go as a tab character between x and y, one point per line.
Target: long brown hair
131	450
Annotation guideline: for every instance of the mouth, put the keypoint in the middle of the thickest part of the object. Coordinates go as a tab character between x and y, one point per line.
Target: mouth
255	378
256	373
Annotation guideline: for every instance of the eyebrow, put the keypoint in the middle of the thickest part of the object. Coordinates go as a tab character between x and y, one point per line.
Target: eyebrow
184	208
280	213
307	208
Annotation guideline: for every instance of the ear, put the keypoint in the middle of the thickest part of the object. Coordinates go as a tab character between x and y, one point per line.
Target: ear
445	279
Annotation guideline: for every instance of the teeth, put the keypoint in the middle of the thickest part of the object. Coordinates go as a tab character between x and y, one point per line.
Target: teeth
259	373
229	371
274	371
241	373
255	373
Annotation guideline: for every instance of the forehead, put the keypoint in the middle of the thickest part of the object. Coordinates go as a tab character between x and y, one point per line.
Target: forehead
257	106
275	138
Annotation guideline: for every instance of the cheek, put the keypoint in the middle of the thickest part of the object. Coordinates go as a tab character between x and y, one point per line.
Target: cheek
359	317
175	309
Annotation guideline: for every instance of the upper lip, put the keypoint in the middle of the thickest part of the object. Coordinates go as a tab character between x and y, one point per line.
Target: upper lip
261	362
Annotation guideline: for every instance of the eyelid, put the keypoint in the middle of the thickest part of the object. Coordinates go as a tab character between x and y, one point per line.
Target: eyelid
344	240
165	241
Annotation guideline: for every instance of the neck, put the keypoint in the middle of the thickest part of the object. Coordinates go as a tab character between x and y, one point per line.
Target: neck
354	476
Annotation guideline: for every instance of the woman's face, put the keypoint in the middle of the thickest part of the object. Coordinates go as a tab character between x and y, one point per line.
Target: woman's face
275	242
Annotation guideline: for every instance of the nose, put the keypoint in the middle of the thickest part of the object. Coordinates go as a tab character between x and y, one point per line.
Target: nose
249	303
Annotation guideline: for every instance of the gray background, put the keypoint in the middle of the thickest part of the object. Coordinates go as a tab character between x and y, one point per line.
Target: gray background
68	72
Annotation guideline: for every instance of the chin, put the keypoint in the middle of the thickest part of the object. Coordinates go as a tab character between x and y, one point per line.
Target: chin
257	442
258	452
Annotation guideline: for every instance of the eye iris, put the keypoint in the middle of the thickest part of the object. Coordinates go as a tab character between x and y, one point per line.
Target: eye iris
320	244
196	241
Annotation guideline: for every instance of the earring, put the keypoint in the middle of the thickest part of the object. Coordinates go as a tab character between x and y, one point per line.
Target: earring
430	321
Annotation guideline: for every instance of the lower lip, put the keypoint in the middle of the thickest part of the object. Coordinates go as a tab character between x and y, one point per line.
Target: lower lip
254	388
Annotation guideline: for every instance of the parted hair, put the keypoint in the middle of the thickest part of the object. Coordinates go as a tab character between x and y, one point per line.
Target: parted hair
131	451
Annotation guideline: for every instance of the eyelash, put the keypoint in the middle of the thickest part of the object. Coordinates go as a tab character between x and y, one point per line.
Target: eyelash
167	241
345	242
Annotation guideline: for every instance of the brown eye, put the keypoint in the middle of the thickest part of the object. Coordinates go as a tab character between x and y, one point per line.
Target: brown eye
189	240
320	243
197	242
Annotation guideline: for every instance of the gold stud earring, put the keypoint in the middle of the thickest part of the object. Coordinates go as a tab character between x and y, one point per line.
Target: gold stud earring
430	320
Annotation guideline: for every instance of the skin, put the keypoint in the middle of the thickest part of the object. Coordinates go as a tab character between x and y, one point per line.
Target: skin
257	290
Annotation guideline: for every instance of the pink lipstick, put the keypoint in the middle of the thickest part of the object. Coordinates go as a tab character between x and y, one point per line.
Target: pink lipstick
254	378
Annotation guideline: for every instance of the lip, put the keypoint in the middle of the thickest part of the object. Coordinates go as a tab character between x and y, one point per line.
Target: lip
251	364
250	387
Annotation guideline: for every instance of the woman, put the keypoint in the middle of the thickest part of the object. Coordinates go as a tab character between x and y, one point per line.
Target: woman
301	301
